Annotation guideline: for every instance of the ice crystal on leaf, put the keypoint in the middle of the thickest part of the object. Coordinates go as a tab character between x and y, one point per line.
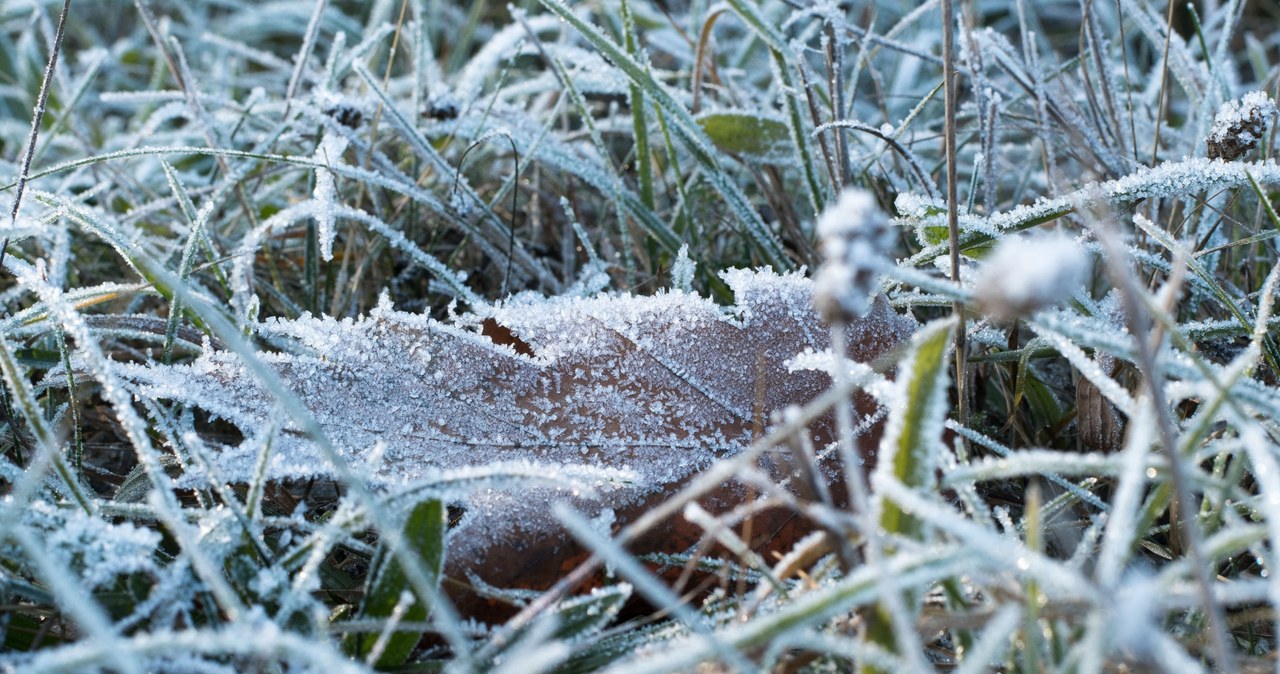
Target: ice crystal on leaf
327	154
659	387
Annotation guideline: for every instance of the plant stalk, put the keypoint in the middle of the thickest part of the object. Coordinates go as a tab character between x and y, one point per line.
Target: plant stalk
953	215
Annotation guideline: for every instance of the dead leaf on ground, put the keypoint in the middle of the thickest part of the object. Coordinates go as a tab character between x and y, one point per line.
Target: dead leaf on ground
657	387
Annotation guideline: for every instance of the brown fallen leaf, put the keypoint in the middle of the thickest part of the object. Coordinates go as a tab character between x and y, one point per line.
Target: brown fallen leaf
654	388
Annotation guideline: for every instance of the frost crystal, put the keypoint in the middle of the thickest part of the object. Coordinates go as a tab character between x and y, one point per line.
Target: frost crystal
327	154
855	238
682	270
1240	125
1026	274
96	550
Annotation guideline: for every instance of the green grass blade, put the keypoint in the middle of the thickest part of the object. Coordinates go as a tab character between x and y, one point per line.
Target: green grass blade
640	126
915	429
909	451
683	123
423	535
792	93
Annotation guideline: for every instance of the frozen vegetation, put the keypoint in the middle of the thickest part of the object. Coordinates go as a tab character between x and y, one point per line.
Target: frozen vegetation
618	336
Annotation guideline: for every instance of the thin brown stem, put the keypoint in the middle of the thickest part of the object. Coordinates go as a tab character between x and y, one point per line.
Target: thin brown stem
1164	82
953	215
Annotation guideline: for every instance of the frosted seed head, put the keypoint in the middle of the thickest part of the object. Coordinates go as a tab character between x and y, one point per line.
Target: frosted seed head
1026	274
345	114
856	236
1240	125
442	106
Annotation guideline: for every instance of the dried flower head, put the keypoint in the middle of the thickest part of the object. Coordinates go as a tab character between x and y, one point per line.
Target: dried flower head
1026	274
1240	125
345	114
855	236
442	106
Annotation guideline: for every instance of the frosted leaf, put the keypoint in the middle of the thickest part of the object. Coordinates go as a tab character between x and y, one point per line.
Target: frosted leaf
329	152
911	205
1026	274
660	386
1240	125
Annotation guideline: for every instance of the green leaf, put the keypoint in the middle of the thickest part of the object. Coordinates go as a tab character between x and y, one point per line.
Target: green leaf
423	535
756	139
908	450
909	447
1045	409
38	358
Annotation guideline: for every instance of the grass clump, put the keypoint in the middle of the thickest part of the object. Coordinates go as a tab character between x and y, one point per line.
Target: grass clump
1079	460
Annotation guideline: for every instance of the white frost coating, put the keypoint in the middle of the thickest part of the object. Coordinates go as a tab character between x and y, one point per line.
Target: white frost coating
682	270
855	238
1234	113
659	386
1180	178
1026	274
932	415
470	82
1132	615
911	205
328	153
95	549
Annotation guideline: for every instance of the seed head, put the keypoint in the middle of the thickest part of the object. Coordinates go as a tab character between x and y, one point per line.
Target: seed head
1240	125
856	236
1026	274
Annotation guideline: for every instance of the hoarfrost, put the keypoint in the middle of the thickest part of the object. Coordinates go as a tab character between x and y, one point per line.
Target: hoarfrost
329	152
92	547
1174	178
682	270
